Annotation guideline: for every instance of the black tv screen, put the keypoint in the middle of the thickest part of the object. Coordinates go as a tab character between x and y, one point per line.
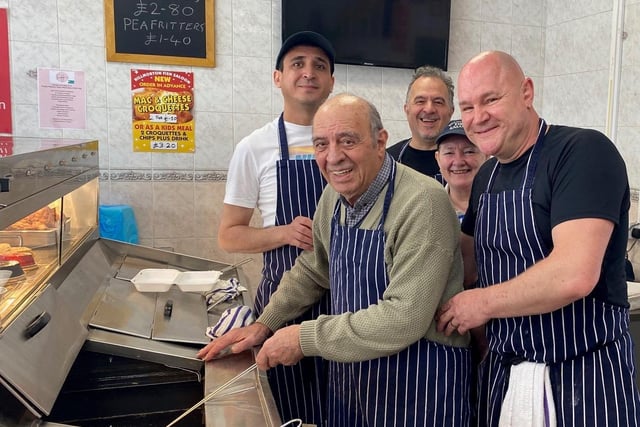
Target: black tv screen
385	33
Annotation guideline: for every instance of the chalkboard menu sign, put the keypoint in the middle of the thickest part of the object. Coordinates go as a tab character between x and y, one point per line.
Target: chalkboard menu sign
176	32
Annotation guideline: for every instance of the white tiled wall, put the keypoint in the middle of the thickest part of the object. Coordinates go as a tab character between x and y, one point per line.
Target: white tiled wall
629	125
564	46
577	77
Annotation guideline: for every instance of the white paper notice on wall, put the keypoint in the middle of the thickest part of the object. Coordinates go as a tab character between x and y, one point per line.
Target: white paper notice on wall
62	99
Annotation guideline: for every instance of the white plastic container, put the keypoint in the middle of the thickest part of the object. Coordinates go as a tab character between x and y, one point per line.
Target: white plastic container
161	280
155	279
197	281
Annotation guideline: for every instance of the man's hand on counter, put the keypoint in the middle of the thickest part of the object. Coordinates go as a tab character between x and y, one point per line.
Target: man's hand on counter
283	348
236	341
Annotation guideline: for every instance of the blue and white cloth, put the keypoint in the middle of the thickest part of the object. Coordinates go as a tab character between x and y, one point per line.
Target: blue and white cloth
225	291
231	318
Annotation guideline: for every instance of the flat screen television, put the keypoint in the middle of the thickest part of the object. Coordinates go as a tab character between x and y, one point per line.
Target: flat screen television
385	33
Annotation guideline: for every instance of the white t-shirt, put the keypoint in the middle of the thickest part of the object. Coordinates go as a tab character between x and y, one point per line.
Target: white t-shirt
252	177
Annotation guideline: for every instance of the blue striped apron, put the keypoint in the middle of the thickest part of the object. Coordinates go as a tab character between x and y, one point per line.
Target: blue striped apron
426	384
586	344
438	176
299	390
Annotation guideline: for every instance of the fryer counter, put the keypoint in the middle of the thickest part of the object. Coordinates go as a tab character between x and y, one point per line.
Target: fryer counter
79	346
158	378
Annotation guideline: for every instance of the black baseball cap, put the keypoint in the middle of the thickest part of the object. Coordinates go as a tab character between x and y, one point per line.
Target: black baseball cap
307	38
454	127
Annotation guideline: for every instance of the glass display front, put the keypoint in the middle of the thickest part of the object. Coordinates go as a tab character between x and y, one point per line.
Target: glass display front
80	213
33	247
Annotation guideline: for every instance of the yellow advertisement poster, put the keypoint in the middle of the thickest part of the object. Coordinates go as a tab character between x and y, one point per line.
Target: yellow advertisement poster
162	104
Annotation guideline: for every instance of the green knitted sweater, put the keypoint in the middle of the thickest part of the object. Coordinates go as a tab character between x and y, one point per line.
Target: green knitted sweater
424	266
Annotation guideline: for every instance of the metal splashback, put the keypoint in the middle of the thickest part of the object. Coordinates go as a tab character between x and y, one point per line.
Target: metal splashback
123	309
101	274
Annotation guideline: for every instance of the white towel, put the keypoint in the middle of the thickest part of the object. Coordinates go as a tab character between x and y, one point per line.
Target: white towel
529	398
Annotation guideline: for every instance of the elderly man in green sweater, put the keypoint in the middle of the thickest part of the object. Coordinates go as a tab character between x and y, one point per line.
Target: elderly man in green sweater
386	246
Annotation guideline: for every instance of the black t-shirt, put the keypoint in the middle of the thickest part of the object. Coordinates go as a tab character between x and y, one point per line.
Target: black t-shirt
580	174
424	161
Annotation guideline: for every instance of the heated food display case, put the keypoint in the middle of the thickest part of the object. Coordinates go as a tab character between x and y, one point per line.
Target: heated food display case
80	344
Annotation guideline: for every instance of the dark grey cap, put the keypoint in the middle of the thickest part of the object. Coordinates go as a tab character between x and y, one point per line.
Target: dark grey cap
454	127
306	38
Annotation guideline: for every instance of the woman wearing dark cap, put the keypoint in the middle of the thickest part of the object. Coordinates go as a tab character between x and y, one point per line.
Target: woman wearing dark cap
459	161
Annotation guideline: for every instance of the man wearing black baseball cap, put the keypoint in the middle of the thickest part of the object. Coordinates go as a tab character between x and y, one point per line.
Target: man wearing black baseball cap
307	38
274	170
